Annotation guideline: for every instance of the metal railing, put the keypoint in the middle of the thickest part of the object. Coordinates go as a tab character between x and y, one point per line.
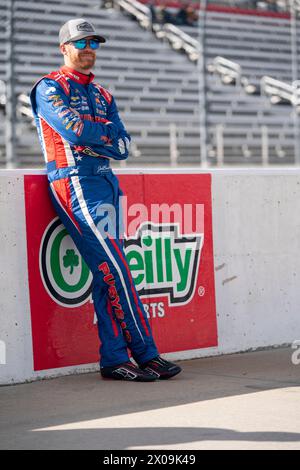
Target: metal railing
138	10
262	143
2	93
176	37
181	41
24	107
230	71
296	4
279	91
231	74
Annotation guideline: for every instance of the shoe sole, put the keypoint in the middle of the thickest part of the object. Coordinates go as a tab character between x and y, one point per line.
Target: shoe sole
129	380
127	373
167	375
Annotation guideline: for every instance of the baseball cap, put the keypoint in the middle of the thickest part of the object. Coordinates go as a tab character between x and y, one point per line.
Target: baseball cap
77	28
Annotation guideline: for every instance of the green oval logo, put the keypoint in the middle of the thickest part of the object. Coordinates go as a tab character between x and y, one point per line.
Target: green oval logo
64	272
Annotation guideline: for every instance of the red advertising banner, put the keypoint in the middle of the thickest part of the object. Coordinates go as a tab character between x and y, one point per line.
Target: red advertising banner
169	248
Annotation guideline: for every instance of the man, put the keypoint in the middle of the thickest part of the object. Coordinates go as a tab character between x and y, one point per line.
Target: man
80	131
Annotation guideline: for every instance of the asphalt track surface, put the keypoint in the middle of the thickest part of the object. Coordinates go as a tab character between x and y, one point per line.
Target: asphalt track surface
240	401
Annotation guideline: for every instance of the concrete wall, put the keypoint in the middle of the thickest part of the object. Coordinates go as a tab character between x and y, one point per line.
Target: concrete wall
256	233
256	220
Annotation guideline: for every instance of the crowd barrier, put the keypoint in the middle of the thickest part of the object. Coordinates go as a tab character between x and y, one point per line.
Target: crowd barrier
214	254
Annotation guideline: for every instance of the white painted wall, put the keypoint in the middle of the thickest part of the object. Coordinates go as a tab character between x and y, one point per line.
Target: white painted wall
256	226
15	330
256	229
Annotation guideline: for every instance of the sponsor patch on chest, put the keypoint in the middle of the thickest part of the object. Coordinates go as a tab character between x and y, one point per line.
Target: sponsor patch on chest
96	105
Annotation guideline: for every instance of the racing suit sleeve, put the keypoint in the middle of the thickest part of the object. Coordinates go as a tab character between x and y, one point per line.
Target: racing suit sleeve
53	106
123	141
113	115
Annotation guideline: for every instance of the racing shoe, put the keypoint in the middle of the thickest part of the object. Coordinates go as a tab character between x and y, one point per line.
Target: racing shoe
160	368
127	371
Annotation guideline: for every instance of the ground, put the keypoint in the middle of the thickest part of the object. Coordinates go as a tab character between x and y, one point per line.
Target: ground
240	401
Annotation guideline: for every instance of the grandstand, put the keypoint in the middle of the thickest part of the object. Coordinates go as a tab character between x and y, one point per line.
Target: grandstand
261	46
158	89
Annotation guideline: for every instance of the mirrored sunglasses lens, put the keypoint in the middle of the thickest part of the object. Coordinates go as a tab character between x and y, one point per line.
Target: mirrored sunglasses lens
80	44
94	44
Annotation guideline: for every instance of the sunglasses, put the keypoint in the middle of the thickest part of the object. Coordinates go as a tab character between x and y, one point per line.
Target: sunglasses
82	43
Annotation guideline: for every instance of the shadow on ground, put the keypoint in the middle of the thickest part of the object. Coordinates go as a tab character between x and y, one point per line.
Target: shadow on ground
126	412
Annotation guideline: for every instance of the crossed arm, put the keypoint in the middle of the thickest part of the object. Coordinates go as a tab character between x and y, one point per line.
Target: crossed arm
53	106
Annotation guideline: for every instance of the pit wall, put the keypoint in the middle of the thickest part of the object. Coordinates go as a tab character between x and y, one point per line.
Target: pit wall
256	267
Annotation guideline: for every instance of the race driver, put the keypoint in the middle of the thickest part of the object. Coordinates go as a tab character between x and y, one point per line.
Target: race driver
80	131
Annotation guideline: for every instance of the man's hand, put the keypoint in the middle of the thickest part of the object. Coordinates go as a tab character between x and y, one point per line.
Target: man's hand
123	145
113	130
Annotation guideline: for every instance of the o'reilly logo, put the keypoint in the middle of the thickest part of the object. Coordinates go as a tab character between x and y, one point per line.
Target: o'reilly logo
65	275
163	262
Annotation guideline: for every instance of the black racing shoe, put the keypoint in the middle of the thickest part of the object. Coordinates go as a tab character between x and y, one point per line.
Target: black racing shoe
160	368
126	371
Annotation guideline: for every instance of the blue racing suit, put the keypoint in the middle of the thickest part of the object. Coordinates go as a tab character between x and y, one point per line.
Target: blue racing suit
80	131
